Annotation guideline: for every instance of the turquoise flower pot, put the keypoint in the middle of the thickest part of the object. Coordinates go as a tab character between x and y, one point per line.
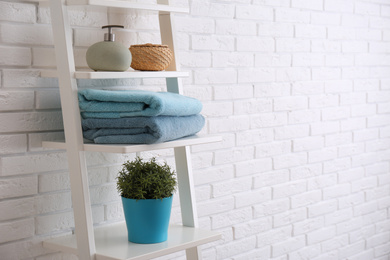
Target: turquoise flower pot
147	221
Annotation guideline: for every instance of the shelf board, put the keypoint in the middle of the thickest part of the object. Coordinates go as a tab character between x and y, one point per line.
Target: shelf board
111	242
118	75
124	4
121	148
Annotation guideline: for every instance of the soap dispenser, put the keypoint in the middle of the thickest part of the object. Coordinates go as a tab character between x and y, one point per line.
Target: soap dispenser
109	55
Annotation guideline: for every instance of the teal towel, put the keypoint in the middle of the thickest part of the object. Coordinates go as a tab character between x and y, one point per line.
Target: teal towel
128	103
141	130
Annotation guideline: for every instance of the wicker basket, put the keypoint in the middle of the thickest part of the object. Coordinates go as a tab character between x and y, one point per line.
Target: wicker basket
149	56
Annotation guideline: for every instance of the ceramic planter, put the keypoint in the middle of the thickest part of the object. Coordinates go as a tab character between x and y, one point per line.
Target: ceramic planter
147	221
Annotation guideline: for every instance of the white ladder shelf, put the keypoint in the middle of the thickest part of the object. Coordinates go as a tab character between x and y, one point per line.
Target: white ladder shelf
110	242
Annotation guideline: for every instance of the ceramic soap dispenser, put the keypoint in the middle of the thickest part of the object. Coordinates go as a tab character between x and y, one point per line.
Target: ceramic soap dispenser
109	55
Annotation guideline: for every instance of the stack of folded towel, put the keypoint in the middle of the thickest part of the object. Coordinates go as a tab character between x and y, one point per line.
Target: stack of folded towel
137	116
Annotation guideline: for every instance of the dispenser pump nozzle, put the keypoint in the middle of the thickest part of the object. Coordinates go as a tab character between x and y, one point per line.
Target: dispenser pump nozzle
110	37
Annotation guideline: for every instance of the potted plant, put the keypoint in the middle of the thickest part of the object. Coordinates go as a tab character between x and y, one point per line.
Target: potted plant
146	188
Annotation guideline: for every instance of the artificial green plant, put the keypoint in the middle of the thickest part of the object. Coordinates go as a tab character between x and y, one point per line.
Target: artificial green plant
140	180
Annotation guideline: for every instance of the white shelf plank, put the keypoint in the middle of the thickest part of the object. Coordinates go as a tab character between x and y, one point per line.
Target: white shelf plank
118	75
130	5
120	148
112	244
124	4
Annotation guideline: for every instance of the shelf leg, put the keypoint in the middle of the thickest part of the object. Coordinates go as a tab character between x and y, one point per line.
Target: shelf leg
74	141
182	154
167	29
187	194
167	38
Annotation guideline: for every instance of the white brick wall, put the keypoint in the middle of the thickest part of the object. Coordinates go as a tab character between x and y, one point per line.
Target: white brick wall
298	89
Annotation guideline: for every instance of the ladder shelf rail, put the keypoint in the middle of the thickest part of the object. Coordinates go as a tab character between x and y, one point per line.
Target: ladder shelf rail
86	242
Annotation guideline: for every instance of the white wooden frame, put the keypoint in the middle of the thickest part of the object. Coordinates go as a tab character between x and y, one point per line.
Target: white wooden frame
75	148
73	133
182	154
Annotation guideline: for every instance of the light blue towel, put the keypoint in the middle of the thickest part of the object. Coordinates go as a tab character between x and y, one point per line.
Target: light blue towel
141	130
128	103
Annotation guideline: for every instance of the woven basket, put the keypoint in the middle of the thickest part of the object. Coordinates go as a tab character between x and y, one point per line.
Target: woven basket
149	56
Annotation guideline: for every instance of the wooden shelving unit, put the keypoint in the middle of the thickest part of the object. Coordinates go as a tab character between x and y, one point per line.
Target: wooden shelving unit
110	242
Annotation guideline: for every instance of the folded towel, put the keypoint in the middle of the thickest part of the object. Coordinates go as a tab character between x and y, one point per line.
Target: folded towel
127	103
141	130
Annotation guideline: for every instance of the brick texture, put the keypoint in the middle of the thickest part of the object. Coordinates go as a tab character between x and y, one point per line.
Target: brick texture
299	90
